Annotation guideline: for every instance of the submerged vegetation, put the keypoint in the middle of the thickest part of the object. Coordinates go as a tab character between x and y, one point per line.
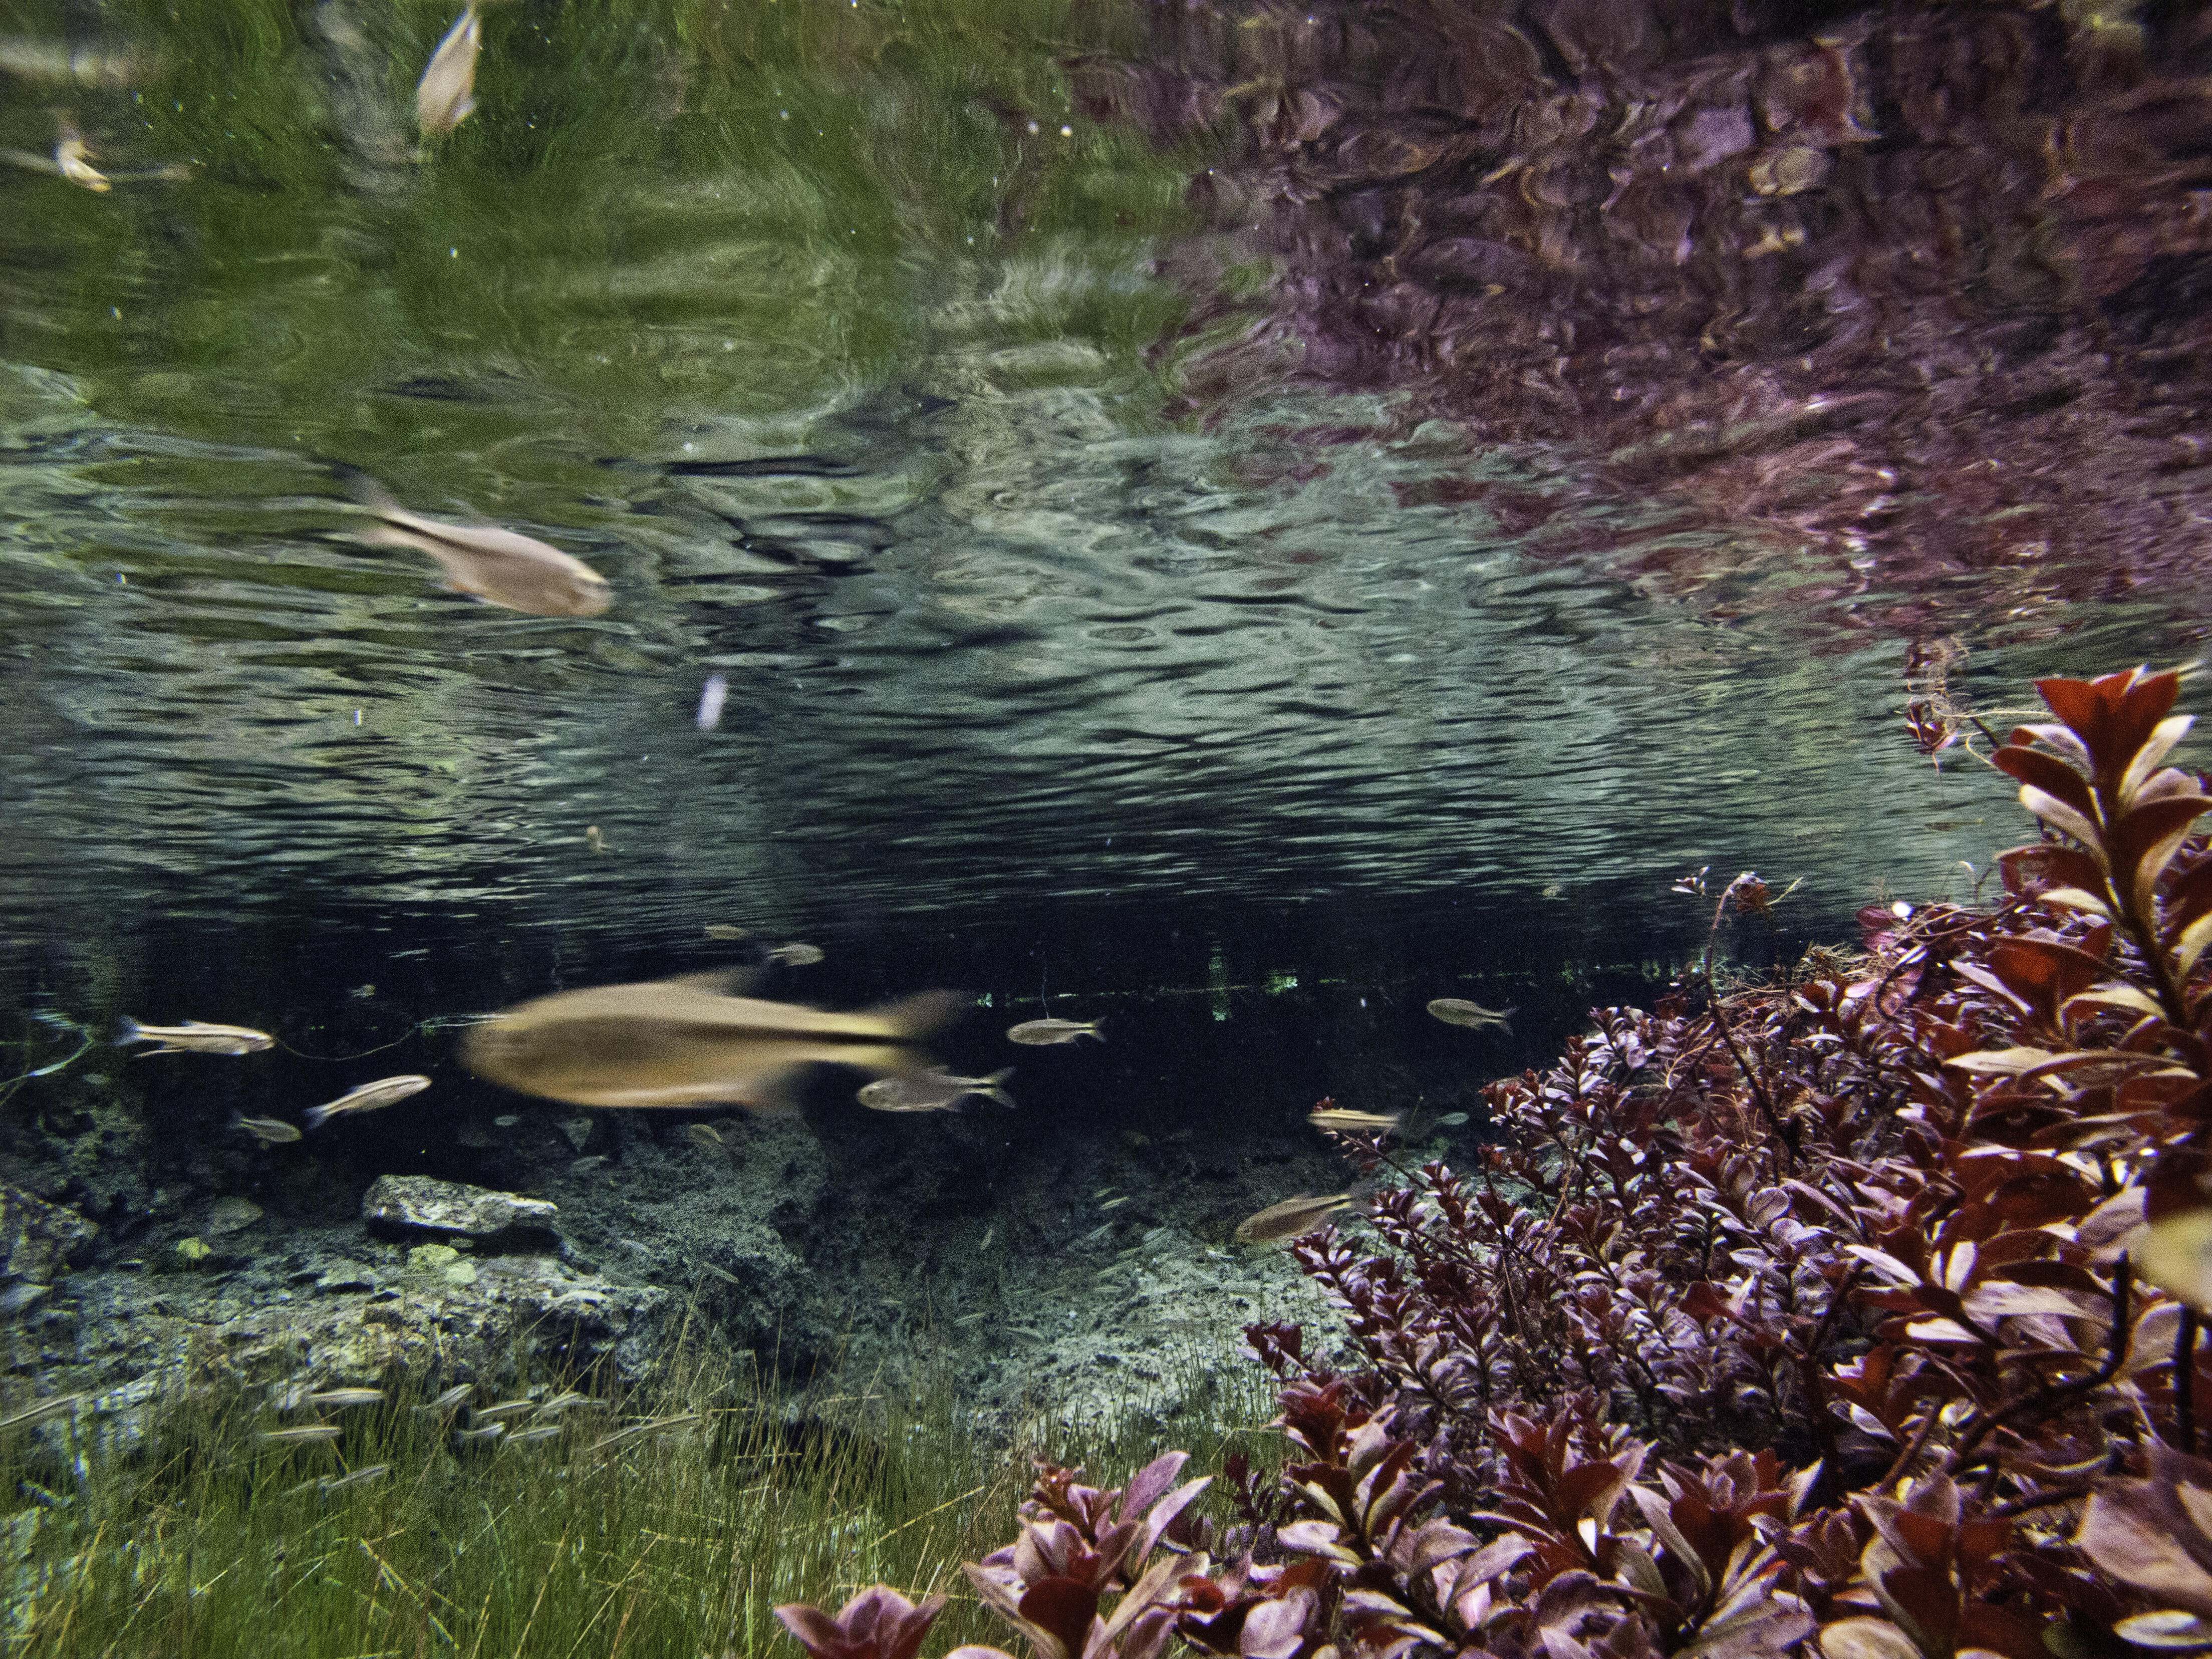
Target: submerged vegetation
1854	1314
397	1522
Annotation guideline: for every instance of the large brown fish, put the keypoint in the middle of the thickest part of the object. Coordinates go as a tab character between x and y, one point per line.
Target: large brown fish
499	567
687	1042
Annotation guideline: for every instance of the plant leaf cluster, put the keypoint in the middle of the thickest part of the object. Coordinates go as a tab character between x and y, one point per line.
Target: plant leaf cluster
1931	1232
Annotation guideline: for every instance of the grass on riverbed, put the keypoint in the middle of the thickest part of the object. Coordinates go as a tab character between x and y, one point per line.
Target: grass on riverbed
212	1541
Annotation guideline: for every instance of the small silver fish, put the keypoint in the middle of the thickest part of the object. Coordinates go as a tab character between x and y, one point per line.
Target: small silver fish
932	1091
1344	1120
1451	1120
367	1097
586	1165
347	1397
705	1134
268	1131
195	1036
447	93
1291	1217
451	1398
483	1436
1114	1203
307	1434
505	1408
727	930
566	1400
1458	1010
595	838
641	1430
507	1120
361	1477
499	567
531	1436
796	955
1036	1033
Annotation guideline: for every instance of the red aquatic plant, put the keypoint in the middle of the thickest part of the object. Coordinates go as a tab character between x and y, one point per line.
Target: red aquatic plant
1854	1314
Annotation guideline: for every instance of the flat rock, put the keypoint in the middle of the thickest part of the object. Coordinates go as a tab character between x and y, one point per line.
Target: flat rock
425	1204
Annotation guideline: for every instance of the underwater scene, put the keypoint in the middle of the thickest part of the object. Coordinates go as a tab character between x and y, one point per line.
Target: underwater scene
1105	829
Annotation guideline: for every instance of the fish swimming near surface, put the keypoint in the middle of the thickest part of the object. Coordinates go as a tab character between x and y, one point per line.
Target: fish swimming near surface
447	93
727	930
499	567
1458	1010
195	1038
711	696
71	160
1344	1120
795	955
1037	1033
367	1097
688	1041
1291	1216
932	1091
268	1131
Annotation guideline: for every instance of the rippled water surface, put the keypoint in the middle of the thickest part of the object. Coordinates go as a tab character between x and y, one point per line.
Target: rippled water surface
852	351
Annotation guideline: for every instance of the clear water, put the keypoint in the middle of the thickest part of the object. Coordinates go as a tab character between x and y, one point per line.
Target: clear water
848	348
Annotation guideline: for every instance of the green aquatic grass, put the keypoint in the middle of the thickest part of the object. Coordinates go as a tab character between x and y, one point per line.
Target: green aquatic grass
207	1540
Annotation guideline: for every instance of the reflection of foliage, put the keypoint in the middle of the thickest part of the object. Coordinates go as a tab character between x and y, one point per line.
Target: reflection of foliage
1933	1230
1919	286
640	185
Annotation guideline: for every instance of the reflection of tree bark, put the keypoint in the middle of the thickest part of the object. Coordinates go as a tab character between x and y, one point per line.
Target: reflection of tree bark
1922	288
357	86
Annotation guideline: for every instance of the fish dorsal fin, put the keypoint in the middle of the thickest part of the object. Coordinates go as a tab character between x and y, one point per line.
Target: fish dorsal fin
722	981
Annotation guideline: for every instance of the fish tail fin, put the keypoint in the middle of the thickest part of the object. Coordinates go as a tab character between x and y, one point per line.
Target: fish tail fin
1094	1031
362	486
128	1030
1505	1020
911	1018
991	1091
319	1115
